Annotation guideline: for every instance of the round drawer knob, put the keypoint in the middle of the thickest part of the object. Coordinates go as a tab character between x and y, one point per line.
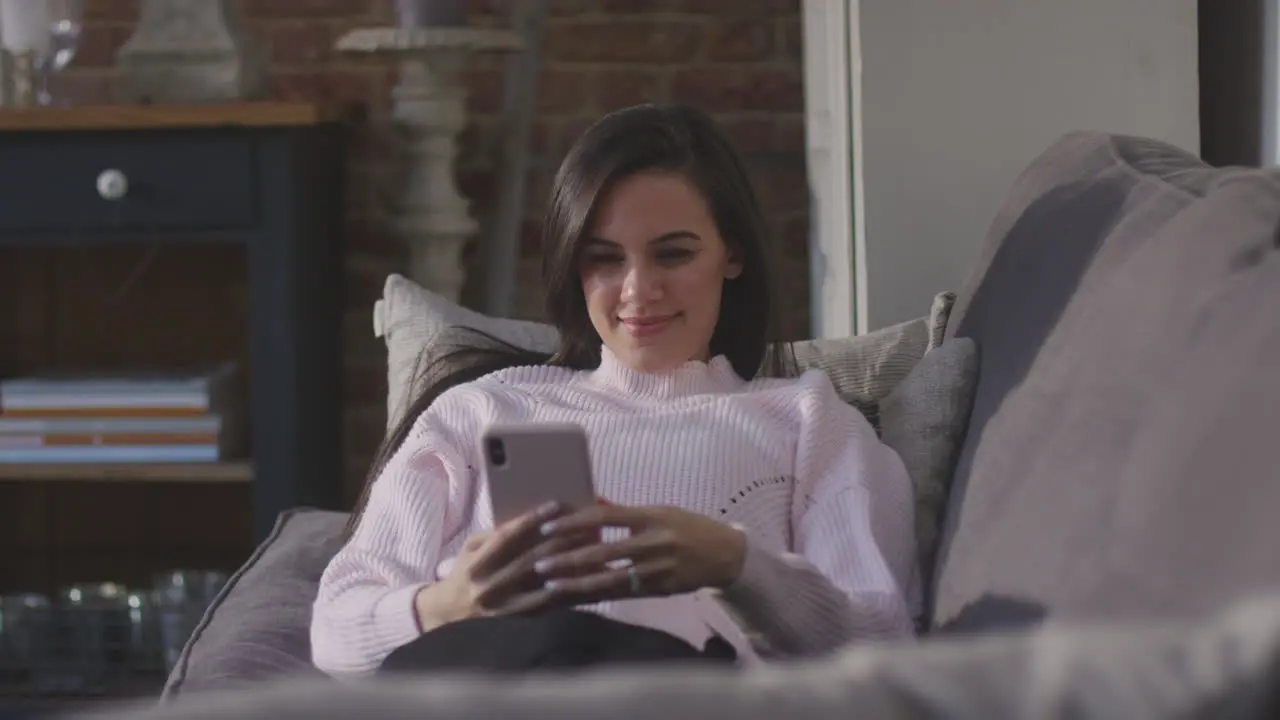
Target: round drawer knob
112	184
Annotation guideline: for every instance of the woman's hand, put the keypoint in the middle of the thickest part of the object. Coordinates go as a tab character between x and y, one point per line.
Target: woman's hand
669	552
494	572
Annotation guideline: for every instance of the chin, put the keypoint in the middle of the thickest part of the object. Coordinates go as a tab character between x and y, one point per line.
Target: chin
651	358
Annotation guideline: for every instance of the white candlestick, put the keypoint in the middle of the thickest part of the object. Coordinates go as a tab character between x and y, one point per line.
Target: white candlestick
24	25
429	106
430	13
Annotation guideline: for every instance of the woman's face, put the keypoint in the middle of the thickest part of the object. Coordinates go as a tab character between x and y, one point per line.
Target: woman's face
653	265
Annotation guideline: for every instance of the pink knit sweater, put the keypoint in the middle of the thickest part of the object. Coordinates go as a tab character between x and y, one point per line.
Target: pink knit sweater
826	507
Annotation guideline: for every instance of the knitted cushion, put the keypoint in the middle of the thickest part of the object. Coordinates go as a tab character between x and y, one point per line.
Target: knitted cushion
411	317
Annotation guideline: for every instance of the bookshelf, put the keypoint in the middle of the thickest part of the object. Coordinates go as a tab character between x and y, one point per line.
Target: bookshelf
223	244
235	471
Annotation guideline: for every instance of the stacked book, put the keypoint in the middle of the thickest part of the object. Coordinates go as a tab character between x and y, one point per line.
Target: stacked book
183	417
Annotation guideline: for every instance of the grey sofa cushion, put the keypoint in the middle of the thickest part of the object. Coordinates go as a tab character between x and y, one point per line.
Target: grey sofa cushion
1221	669
258	627
1120	460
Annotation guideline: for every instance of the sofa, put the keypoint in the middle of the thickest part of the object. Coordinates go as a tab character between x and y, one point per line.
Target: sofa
1108	545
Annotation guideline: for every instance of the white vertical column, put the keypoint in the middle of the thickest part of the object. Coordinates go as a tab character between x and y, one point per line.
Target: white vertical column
431	217
1271	82
829	145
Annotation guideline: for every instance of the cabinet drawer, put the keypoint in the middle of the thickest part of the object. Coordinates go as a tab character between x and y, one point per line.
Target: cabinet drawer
62	183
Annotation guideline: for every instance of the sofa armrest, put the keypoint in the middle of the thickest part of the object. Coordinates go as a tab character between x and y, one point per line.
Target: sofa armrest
1222	668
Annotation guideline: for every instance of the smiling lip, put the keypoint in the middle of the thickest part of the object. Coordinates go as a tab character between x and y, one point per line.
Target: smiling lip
646	326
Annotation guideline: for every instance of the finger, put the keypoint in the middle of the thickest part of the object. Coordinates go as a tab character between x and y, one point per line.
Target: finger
518	575
613	583
596	517
524	602
475	542
512	538
589	559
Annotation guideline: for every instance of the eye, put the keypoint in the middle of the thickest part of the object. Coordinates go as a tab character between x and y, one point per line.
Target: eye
673	256
600	259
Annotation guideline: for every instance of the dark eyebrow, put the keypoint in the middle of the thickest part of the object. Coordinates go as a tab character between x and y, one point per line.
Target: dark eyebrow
663	238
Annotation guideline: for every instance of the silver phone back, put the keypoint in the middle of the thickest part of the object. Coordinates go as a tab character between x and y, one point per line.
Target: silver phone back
544	462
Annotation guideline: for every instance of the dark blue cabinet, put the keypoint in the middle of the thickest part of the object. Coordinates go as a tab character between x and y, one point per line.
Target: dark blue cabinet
265	175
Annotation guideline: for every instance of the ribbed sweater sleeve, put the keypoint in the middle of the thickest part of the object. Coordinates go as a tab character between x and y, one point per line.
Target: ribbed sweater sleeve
853	544
364	608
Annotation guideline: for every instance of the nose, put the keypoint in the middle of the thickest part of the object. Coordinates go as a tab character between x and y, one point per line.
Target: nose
642	284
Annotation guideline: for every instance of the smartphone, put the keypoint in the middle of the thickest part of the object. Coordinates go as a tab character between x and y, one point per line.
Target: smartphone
528	465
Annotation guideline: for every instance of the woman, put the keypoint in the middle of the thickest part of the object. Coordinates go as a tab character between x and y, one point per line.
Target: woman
749	505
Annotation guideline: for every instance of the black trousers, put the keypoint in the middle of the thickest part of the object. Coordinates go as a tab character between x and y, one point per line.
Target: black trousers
556	639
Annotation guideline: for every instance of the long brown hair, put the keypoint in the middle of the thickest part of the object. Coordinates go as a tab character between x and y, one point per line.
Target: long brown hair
669	138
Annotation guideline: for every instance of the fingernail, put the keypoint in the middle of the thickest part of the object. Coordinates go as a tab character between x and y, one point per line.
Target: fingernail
548	508
543	566
548	528
553	584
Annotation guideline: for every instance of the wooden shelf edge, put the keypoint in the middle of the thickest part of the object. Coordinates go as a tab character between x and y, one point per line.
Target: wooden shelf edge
141	117
237	471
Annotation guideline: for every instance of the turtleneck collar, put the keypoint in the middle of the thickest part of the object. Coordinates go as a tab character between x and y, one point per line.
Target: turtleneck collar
692	378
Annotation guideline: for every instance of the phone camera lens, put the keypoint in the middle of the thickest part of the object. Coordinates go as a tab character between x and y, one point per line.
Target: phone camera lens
497	452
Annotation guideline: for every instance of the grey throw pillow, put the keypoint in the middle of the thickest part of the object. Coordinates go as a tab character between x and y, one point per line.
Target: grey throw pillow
940	317
865	368
258	627
924	420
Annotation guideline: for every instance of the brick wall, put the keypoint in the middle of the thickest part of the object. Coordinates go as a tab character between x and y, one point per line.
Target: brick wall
739	59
